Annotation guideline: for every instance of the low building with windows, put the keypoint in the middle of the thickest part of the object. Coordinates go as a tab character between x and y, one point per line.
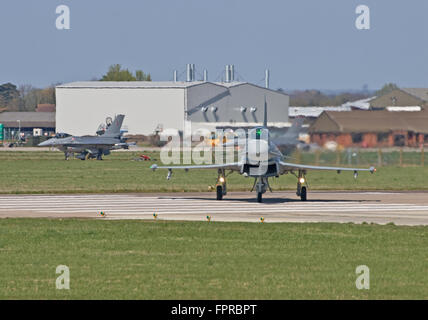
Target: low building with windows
45	107
27	123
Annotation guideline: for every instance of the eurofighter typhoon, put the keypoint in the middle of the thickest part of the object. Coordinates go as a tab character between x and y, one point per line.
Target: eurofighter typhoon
256	143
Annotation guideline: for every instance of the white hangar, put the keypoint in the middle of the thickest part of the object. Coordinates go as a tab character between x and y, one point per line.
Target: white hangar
82	106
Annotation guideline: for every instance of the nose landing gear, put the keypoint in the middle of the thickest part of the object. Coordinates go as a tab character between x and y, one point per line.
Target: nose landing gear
261	184
301	190
221	185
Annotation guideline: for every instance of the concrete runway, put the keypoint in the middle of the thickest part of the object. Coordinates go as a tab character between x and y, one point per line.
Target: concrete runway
401	208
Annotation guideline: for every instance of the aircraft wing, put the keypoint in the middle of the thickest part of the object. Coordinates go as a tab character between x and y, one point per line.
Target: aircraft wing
226	166
295	166
93	141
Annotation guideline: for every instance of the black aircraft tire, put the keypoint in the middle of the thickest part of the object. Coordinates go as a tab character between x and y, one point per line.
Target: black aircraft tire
259	197
219	193
303	194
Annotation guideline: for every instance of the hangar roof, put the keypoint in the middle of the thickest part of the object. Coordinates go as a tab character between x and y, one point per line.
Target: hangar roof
150	84
140	84
128	84
314	112
28	119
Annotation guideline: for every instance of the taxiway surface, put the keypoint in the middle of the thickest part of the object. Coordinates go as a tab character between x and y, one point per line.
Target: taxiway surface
401	208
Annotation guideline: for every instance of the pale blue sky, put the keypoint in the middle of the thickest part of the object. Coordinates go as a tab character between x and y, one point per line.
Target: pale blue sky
305	43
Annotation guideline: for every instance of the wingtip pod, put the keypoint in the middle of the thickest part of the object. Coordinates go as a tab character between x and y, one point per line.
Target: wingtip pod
154	167
372	169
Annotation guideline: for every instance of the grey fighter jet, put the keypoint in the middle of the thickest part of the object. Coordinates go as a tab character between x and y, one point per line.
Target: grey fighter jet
257	142
91	146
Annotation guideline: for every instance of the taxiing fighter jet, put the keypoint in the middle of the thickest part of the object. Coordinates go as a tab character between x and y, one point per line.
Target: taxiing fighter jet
256	143
91	146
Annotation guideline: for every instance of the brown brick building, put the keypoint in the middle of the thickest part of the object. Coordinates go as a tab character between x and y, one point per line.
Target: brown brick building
45	107
379	128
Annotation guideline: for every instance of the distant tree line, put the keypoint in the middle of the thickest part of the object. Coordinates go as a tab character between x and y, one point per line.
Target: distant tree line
24	97
387	88
27	97
116	73
305	98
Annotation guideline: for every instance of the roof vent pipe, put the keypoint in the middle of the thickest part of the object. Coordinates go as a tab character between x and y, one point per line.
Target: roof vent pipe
189	72
205	75
227	73
232	73
267	78
175	75
193	72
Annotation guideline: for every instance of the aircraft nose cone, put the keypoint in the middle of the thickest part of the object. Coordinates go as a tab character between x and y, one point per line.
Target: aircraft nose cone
258	150
46	143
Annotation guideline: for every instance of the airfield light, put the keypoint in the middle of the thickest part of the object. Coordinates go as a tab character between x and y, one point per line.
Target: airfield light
208	218
221	179
155	216
262	219
102	213
302	180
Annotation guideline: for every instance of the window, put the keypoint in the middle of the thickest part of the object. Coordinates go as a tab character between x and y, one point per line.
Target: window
357	137
382	137
399	140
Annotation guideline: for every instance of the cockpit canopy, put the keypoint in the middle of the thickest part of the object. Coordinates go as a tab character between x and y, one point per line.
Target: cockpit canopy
258	133
61	135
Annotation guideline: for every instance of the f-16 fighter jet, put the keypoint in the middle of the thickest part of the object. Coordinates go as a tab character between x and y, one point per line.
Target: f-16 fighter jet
88	147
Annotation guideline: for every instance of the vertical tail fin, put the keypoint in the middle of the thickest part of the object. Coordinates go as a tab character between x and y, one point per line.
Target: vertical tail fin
114	129
265	115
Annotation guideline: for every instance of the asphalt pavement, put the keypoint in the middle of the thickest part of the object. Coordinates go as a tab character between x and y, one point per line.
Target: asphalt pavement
401	208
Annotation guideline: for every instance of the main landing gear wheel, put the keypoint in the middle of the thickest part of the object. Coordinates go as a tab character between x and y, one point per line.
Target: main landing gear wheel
303	194
100	154
259	197
219	193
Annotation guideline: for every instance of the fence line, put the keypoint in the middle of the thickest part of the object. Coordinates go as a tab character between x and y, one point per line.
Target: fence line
359	157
